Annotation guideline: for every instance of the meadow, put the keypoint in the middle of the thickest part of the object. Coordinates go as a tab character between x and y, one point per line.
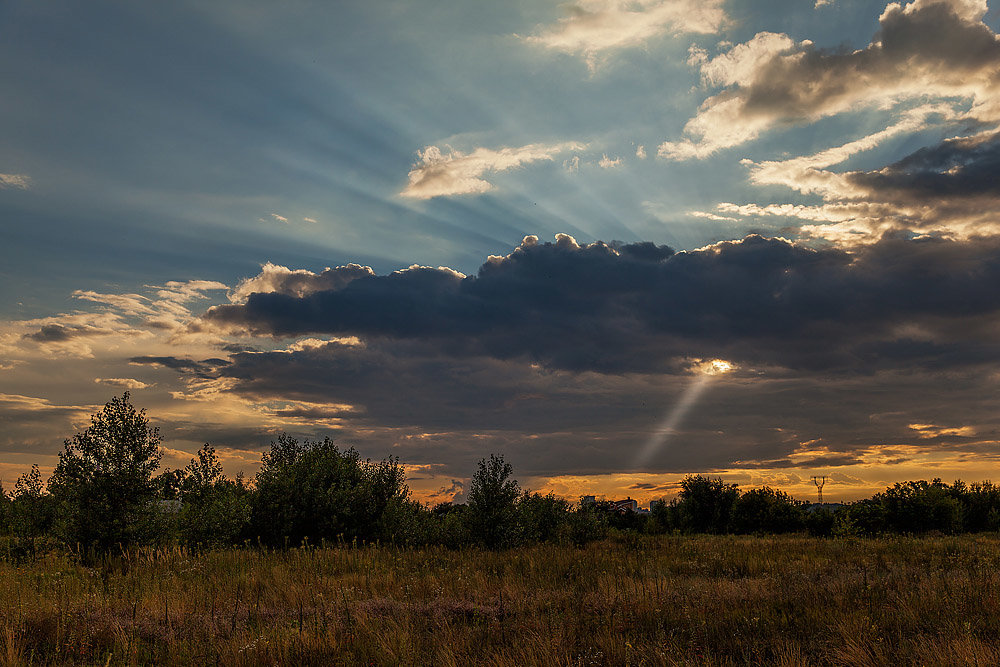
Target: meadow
626	600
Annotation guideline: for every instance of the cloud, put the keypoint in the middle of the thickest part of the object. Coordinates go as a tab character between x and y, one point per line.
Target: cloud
639	307
20	181
640	152
438	174
608	163
299	283
945	189
924	49
205	369
593	28
279	218
127	383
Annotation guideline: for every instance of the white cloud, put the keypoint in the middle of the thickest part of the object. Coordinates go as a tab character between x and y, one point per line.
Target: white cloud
279	218
312	220
924	50
594	27
127	383
608	163
640	152
439	175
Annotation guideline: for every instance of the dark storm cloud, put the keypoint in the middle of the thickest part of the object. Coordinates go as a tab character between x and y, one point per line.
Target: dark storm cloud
965	167
926	301
56	333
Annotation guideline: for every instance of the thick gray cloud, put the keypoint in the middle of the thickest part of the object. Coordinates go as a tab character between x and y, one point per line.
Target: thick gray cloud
955	169
636	308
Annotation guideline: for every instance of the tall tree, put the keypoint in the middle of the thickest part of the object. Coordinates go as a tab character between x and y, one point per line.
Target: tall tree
492	513
103	484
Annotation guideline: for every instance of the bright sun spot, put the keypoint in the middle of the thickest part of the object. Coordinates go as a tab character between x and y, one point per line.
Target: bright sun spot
713	367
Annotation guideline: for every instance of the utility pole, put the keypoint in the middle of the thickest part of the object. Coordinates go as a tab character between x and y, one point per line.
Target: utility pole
820	482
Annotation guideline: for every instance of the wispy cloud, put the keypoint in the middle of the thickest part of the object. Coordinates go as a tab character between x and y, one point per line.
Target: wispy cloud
593	28
440	174
127	383
21	181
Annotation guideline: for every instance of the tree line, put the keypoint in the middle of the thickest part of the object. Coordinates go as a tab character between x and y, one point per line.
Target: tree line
106	494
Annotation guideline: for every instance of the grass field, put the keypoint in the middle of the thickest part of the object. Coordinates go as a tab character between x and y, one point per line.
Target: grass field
635	601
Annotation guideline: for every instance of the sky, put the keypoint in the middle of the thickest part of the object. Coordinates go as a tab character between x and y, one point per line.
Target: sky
618	242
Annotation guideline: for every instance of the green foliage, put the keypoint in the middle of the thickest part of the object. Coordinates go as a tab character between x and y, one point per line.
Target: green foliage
5	527
30	507
314	490
706	505
492	514
819	522
766	510
103	484
587	524
980	506
214	510
543	518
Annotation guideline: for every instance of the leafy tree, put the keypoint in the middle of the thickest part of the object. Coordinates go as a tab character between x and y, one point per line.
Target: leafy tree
706	505
492	513
980	505
5	526
586	524
214	509
314	490
767	510
820	522
30	513
918	507
543	518
103	484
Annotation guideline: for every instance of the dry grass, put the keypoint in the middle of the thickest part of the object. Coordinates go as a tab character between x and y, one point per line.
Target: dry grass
653	601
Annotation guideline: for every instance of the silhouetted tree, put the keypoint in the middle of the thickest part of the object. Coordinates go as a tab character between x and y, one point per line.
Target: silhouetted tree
705	505
543	518
314	490
30	511
103	484
766	510
492	513
214	510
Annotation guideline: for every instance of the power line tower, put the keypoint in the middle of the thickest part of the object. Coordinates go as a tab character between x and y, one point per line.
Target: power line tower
820	482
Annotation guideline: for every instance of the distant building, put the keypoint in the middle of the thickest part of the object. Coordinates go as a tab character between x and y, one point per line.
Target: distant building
627	505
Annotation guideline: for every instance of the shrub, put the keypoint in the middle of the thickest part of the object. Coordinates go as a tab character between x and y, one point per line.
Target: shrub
706	505
314	490
767	510
543	518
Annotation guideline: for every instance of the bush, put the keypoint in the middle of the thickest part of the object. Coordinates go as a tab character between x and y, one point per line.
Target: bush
214	510
543	518
103	484
314	490
819	522
767	510
706	505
